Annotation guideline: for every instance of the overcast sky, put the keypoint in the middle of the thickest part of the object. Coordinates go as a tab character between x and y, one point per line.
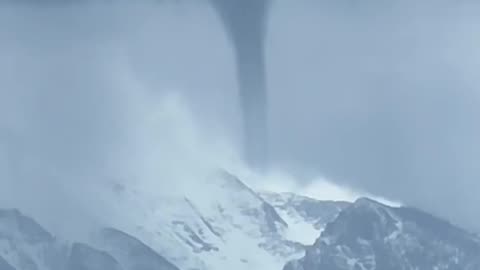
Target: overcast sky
378	96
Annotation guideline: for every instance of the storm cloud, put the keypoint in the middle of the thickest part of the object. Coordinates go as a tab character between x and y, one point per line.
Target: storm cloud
382	96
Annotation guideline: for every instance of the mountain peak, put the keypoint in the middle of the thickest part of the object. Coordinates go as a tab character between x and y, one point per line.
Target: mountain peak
13	224
370	235
365	201
228	223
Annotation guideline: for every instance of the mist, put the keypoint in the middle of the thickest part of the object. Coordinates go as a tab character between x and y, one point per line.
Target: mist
99	93
377	97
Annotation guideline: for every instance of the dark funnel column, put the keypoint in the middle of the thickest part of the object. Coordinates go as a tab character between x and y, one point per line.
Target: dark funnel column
244	20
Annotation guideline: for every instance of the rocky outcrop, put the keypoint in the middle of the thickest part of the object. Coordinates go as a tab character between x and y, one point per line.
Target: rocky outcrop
372	236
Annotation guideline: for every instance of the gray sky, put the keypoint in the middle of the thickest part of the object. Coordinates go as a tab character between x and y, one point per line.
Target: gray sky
378	96
382	96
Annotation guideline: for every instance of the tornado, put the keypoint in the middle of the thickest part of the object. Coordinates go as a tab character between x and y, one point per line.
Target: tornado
245	23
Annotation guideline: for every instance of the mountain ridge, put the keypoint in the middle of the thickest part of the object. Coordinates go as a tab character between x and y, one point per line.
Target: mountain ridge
369	235
229	224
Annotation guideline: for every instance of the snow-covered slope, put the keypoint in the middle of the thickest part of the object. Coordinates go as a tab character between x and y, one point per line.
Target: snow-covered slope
25	245
306	217
219	222
215	223
372	236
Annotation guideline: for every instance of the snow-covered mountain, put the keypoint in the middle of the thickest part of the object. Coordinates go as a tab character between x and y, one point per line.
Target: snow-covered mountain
306	217
372	236
25	245
221	223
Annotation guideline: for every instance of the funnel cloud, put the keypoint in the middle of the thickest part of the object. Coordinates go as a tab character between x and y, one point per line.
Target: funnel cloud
245	23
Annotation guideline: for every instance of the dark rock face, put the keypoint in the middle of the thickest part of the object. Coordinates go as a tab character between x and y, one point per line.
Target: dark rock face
4	265
372	236
132	253
25	245
84	257
15	225
195	238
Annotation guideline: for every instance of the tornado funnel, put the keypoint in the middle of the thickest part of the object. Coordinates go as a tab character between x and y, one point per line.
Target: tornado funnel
244	21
